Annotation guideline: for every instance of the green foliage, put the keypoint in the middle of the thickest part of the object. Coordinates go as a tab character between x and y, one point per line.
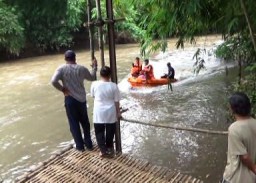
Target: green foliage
248	85
44	24
49	25
123	9
131	23
224	51
237	47
11	32
75	14
182	19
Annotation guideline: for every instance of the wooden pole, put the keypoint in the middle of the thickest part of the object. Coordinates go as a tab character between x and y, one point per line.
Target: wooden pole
100	32
112	57
91	32
249	23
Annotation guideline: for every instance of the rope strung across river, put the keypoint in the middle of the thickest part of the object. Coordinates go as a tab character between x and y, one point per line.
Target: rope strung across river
199	130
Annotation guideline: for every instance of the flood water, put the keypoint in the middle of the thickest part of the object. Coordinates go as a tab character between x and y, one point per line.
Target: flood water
33	123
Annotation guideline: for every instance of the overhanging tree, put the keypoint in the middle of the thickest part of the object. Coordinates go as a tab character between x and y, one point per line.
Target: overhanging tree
11	32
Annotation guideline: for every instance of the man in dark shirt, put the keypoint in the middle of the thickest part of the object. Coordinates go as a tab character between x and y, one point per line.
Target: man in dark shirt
171	72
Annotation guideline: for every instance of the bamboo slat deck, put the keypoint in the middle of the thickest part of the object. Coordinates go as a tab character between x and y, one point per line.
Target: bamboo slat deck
71	166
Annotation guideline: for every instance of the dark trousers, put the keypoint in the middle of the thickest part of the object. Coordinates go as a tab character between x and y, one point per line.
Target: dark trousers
166	76
77	114
104	135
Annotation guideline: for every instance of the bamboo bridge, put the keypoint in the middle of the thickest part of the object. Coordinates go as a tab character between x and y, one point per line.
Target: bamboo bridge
70	165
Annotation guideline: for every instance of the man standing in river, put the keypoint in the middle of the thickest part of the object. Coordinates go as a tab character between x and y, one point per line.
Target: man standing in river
72	77
241	167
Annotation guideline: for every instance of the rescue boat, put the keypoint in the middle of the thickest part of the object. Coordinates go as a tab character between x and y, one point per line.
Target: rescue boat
139	82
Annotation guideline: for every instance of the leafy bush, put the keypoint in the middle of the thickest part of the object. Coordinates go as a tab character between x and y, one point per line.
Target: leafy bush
11	32
50	25
42	24
239	48
123	9
248	85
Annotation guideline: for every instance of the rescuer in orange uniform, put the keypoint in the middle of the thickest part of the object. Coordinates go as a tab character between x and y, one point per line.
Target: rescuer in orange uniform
148	70
136	67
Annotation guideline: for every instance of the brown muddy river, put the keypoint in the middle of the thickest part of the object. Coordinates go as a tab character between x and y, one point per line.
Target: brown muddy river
33	123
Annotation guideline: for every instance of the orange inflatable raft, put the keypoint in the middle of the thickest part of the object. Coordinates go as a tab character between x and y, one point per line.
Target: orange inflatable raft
150	82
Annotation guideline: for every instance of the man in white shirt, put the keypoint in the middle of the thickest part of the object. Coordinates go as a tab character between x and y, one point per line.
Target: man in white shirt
106	111
72	77
241	156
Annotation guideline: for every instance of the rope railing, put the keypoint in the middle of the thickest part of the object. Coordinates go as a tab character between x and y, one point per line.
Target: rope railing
198	130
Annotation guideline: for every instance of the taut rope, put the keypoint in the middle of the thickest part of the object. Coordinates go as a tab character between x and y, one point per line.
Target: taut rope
177	127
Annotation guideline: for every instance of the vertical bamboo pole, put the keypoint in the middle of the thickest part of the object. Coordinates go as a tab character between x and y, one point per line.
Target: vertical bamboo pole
112	57
249	23
100	32
89	14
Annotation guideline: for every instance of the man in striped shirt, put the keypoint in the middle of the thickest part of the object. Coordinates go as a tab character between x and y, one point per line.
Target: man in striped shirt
72	76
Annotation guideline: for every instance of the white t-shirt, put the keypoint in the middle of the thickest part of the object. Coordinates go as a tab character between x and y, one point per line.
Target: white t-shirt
105	95
241	141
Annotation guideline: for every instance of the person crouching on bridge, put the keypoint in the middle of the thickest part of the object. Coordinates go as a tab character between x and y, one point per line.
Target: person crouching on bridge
136	67
106	111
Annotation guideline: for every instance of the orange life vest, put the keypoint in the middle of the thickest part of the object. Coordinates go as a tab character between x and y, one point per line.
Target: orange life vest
149	71
135	70
138	66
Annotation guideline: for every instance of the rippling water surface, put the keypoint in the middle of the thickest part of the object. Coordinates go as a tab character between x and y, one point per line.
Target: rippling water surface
33	123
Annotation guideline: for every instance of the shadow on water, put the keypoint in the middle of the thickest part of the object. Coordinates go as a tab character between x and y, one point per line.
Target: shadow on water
33	123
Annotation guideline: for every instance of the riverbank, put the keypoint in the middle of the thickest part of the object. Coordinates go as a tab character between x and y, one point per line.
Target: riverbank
81	42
